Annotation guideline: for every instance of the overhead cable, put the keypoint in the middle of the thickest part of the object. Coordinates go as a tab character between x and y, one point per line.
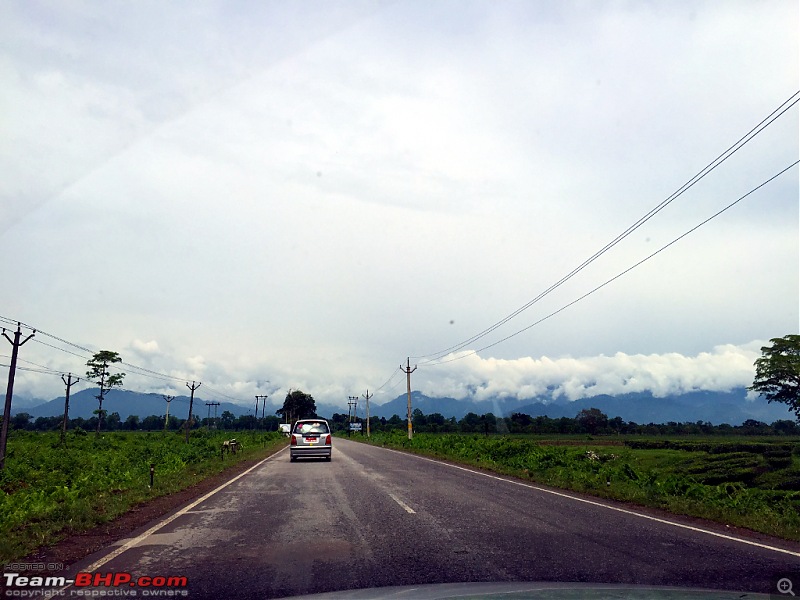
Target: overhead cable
766	122
628	270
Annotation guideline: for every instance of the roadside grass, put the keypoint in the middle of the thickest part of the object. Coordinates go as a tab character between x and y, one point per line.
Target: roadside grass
750	483
49	490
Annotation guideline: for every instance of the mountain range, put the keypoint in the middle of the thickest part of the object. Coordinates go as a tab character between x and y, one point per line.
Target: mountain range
126	402
642	407
715	407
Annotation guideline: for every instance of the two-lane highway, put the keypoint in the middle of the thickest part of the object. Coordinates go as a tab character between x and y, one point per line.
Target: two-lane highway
375	517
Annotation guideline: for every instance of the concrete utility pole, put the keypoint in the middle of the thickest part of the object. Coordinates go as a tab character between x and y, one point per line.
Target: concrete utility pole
69	383
215	405
168	399
263	397
209	405
15	344
352	401
192	387
368	396
408	371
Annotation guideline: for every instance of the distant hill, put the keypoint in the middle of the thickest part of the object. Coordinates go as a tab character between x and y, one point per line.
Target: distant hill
125	402
715	407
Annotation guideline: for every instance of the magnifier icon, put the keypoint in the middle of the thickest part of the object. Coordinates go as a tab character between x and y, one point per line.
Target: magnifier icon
785	586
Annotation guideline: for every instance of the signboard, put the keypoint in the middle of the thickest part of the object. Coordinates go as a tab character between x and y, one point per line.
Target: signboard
355	426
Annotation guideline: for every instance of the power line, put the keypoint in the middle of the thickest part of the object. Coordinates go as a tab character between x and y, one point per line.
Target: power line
81	356
45	371
628	270
766	122
137	370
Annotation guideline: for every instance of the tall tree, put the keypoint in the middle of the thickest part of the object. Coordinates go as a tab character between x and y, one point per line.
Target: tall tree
592	420
778	372
297	405
99	375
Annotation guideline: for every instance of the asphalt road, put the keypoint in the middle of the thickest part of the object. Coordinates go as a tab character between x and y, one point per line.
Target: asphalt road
375	517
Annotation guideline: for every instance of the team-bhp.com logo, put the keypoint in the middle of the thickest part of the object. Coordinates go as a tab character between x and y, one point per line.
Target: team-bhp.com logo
93	584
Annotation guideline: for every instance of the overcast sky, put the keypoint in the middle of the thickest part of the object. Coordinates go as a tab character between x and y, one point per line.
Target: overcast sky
265	196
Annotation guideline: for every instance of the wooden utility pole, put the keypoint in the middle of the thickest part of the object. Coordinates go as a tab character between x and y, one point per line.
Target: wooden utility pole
15	344
408	371
368	396
168	399
192	387
69	383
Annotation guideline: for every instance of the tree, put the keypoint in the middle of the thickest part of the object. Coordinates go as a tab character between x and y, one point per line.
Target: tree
151	422
226	420
592	420
778	372
99	375
20	421
114	421
297	405
131	423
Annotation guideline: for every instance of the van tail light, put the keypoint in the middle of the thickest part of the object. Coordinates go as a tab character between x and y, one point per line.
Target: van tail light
328	440
294	440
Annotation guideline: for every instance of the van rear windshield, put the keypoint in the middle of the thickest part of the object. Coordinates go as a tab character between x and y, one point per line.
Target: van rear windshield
312	427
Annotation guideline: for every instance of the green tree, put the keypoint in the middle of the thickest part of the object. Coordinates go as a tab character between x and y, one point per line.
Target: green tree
131	423
20	421
592	420
151	422
114	421
99	375
778	372
297	405
226	419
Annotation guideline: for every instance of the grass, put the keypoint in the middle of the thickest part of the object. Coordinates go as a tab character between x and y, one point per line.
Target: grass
49	490
748	483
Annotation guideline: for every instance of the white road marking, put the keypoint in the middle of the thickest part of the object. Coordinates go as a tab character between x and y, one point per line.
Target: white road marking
405	506
607	506
378	479
133	542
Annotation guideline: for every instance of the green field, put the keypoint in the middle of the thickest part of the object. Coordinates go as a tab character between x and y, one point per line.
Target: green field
49	490
745	481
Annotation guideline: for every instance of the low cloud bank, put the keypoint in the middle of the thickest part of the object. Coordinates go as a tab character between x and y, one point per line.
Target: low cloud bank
725	368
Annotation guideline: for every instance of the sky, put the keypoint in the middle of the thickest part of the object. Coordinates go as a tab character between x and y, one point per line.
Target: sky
265	196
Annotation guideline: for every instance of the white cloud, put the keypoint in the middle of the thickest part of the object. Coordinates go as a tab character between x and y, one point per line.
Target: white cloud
145	348
722	369
308	193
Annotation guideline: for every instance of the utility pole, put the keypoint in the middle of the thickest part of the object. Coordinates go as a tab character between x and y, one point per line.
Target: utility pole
168	399
69	383
209	405
215	405
368	396
15	344
408	371
351	403
192	387
263	405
